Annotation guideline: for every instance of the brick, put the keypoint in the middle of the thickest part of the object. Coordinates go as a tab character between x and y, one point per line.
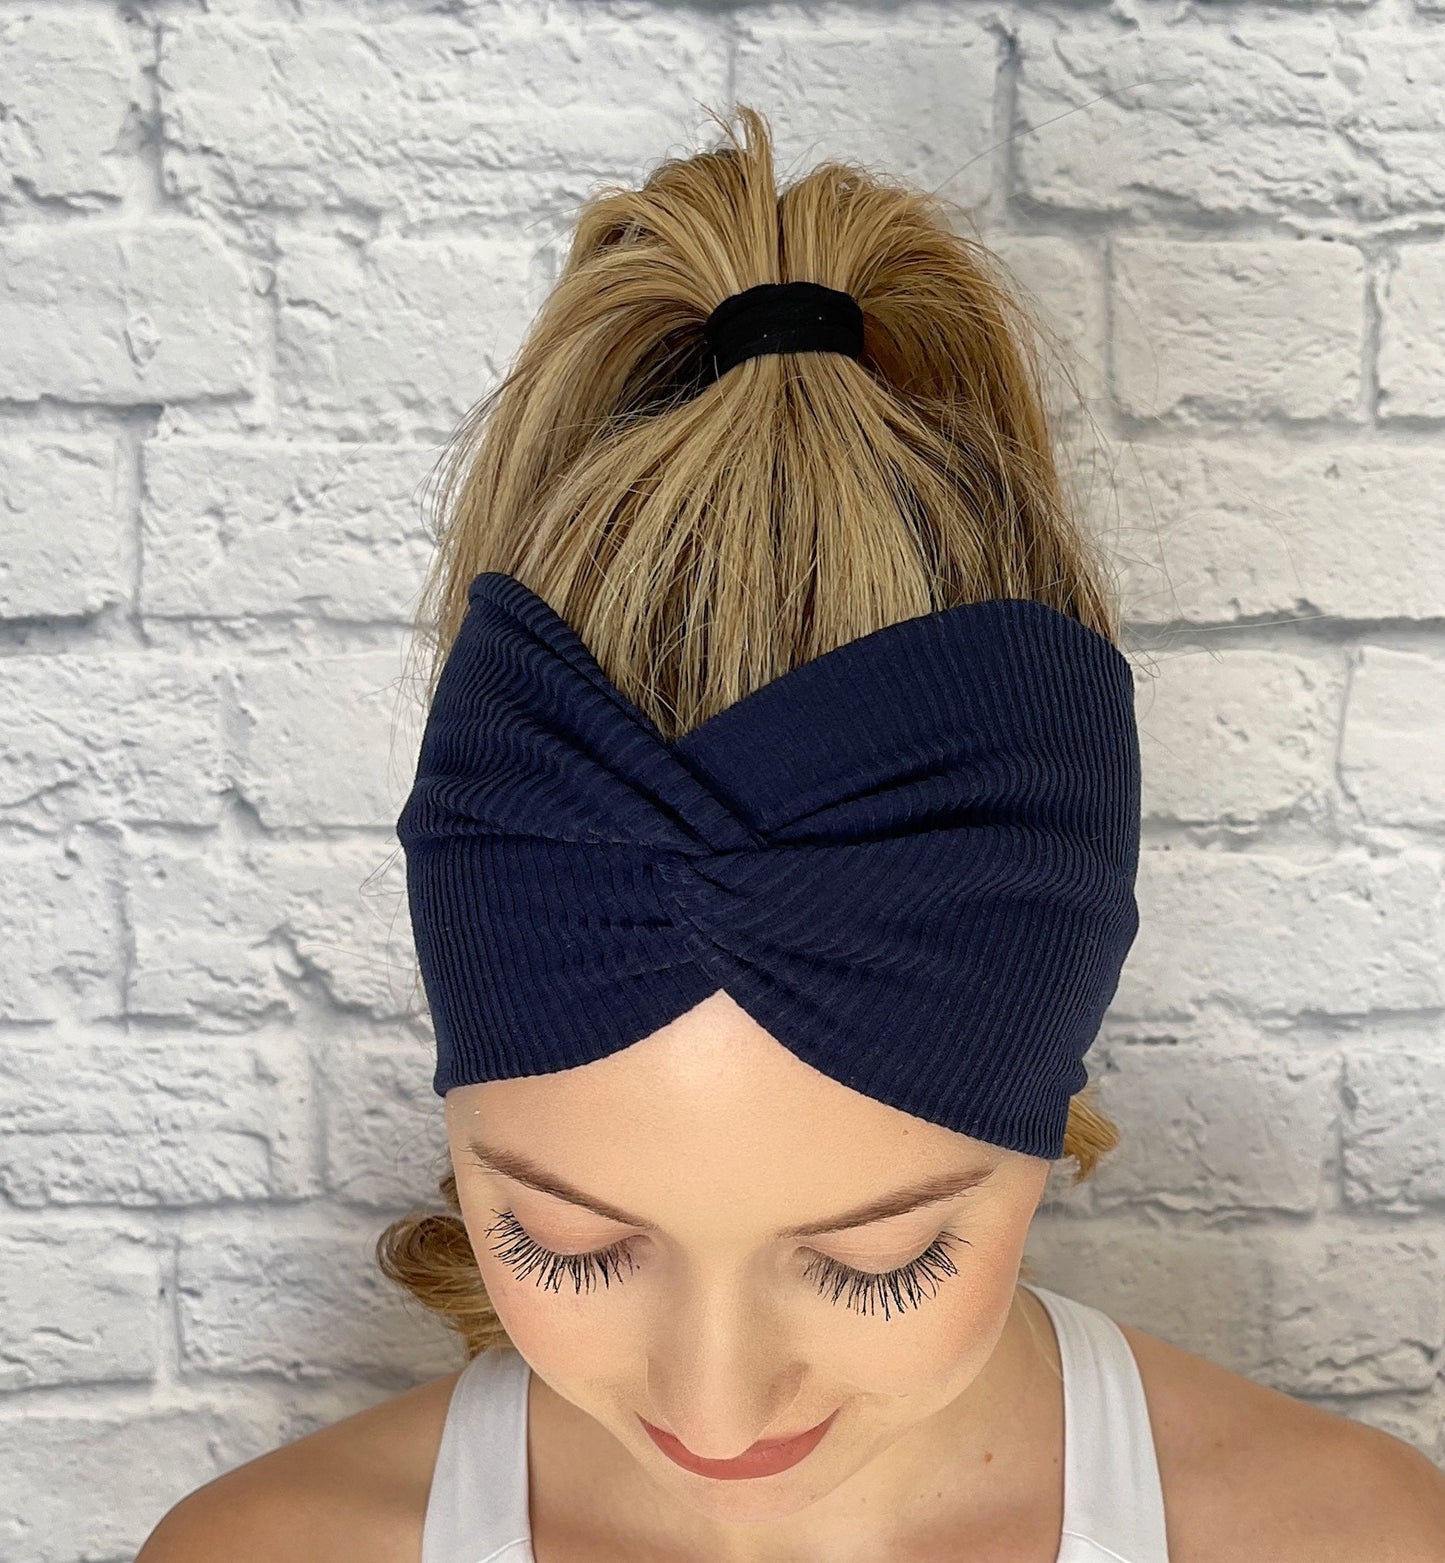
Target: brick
1235	736
1207	1130
1238	330
425	116
318	739
268	1302
1203	1290
390	339
1263	117
1265	528
1322	1342
1394	122
1060	282
1349	935
939	130
226	936
174	1119
386	1142
63	936
1393	1143
68	83
121	314
134	737
1390	758
281	527
77	1305
1412	359
48	569
94	1483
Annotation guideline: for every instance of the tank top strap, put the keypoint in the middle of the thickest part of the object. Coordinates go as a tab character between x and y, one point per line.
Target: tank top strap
1113	1495
478	1507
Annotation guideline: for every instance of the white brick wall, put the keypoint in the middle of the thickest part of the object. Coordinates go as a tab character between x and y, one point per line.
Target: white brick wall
256	259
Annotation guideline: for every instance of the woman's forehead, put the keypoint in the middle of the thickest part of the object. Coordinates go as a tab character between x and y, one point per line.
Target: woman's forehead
713	1080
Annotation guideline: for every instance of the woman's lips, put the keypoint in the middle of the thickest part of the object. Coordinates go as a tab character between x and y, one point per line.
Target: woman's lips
763	1459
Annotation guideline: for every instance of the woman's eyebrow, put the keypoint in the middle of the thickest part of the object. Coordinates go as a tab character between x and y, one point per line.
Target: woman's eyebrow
932	1191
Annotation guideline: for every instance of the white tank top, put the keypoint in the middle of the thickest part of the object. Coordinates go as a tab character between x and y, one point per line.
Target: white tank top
477	1511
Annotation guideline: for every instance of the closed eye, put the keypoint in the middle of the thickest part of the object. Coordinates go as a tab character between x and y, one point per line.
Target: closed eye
900	1289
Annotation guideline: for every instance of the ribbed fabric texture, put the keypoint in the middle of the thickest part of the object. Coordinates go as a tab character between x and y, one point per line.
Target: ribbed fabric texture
910	860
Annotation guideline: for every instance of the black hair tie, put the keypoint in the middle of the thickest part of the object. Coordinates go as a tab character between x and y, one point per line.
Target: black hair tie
781	317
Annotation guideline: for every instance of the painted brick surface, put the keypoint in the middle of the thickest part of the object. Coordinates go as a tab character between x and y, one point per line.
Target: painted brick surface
256	261
108	1332
1238	330
52	569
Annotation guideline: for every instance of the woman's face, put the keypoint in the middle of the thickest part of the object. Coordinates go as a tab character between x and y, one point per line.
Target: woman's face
702	1311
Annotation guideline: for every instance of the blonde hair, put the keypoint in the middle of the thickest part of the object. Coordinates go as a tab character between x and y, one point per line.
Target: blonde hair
704	542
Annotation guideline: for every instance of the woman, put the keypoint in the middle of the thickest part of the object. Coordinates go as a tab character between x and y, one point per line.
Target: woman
728	556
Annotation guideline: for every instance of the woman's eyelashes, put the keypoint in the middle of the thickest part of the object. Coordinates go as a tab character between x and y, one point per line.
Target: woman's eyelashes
904	1287
526	1256
861	1290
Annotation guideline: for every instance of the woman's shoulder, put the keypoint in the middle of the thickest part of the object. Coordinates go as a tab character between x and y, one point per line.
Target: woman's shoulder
353	1492
1250	1472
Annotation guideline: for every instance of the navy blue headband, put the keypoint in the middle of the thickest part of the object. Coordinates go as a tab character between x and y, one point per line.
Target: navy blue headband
911	859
